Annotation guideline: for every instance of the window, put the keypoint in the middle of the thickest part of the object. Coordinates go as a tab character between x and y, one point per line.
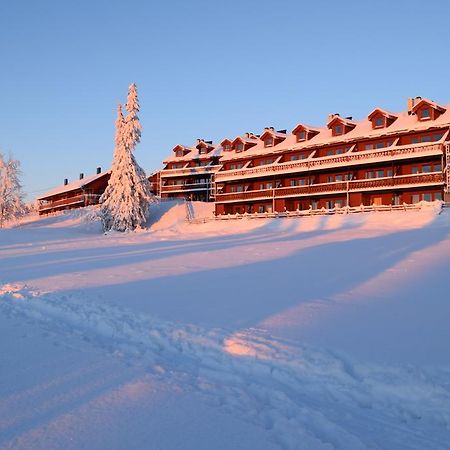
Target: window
369	174
240	147
235	166
330	152
265	162
338	129
301	136
416	198
298	182
414	140
177	166
414	170
426	139
428	197
426	169
425	114
389	173
227	147
339	151
379	122
368	147
268	185
379	174
380	145
179	153
437	196
314	204
437	168
203	151
268	142
437	137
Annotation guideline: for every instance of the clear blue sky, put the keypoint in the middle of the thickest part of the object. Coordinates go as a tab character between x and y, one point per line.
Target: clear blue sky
204	68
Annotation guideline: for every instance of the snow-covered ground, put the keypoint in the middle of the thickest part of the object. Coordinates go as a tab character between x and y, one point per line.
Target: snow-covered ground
298	333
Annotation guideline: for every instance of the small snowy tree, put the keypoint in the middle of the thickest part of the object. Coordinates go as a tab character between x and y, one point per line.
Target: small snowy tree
11	196
125	202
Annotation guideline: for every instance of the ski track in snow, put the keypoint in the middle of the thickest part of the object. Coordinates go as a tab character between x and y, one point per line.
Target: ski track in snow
304	397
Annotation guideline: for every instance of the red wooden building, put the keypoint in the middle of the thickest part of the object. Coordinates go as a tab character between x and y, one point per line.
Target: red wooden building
189	171
76	194
387	158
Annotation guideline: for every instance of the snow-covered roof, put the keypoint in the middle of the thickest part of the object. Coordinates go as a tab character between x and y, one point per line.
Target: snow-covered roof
73	185
363	129
425	101
383	112
194	153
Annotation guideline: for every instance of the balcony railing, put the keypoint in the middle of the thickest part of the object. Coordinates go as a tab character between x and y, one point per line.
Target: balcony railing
80	200
166	173
335	188
186	187
346	159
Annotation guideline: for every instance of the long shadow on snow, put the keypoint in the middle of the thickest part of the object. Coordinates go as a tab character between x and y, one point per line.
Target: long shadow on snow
50	263
244	295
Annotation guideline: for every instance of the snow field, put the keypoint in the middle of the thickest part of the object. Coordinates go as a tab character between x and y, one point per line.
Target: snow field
298	361
304	397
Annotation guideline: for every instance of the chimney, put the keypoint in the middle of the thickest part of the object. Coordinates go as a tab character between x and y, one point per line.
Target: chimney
66	181
332	116
99	170
282	131
412	101
349	117
81	176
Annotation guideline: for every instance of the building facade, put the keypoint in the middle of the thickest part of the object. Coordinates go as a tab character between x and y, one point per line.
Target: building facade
388	158
76	194
189	172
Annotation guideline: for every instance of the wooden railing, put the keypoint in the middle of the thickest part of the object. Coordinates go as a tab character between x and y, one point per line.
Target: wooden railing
342	186
83	199
186	187
346	159
165	173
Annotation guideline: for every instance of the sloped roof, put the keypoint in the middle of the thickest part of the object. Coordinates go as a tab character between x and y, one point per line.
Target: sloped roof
362	130
73	185
425	101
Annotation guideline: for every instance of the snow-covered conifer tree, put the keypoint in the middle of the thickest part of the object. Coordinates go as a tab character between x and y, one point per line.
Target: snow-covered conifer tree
11	196
125	202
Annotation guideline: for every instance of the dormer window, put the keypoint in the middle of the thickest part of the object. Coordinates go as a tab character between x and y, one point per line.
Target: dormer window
268	142
226	147
378	122
203	151
304	133
301	136
381	118
427	110
425	114
240	147
179	153
338	130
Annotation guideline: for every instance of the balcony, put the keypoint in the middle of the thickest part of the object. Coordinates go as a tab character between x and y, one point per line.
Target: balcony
372	184
76	201
326	162
169	173
186	187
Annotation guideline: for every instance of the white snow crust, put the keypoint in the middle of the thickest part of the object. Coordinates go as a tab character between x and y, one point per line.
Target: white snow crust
323	332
